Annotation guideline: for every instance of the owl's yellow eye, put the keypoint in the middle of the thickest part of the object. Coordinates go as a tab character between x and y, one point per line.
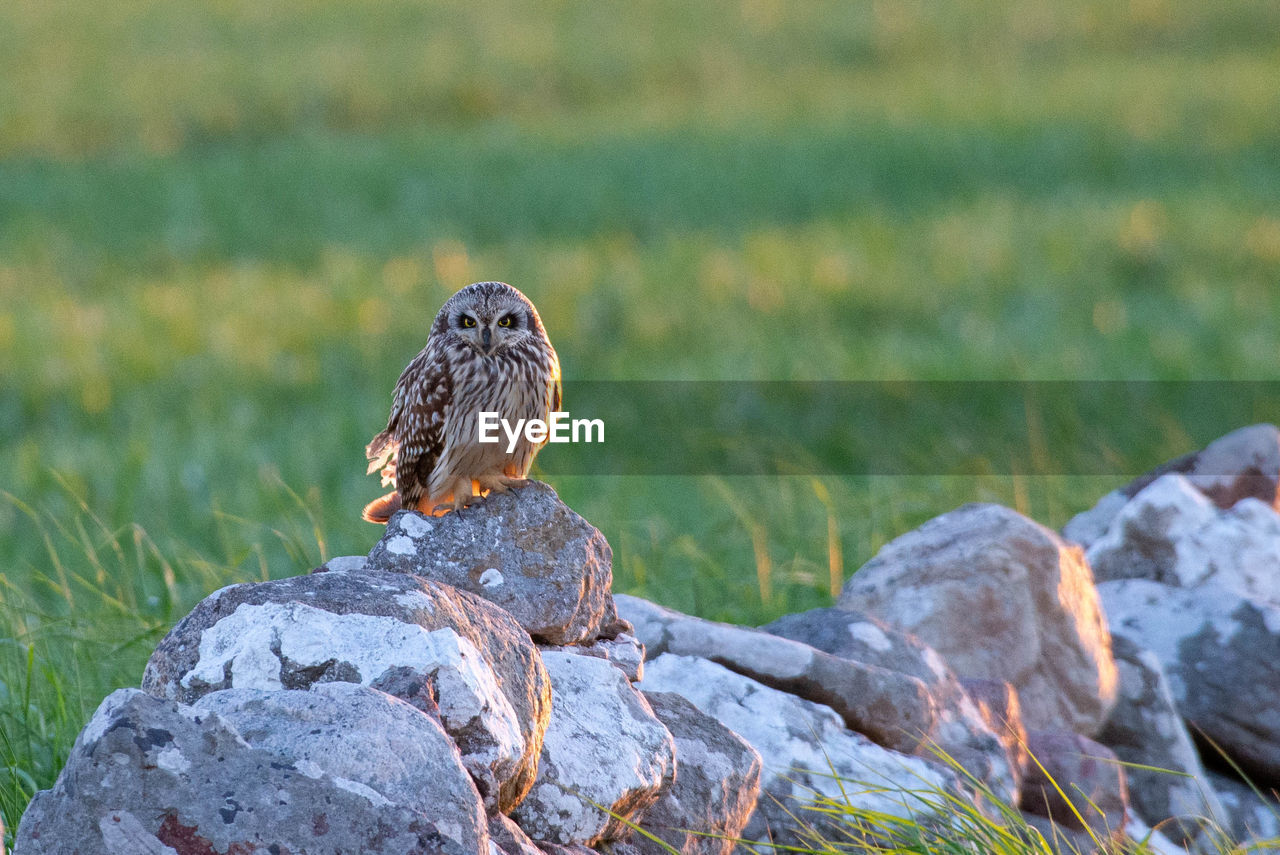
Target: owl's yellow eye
504	321
468	322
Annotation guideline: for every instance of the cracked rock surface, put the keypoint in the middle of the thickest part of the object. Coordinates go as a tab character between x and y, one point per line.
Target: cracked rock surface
604	745
470	659
153	776
1000	597
525	550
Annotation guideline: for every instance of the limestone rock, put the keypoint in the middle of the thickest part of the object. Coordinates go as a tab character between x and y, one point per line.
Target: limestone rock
1242	464
716	785
344	564
603	745
1221	653
983	748
624	651
524	550
893	709
510	838
153	776
1000	597
998	705
354	733
1089	775
1063	840
1086	527
1171	533
375	629
1249	816
800	744
1146	730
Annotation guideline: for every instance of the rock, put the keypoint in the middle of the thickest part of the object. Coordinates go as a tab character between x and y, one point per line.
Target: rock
603	746
1243	464
1146	731
1000	597
344	564
998	705
1171	533
1249	816
155	776
524	550
1059	839
961	730
354	733
801	744
1087	526
572	849
1221	654
893	709
1088	774
1153	841
716	785
375	629
510	838
624	652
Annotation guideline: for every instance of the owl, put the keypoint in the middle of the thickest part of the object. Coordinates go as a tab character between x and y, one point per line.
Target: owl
486	352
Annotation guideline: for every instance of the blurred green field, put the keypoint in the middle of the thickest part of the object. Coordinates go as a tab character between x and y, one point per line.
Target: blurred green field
225	227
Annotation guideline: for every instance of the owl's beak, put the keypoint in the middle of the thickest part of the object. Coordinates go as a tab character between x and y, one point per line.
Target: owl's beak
485	336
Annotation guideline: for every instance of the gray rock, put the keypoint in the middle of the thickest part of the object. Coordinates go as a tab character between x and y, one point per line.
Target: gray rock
624	652
961	731
358	734
344	564
1221	654
1158	841
524	550
1061	839
604	746
1171	533
716	785
571	849
380	629
1086	527
801	744
1242	464
510	838
1250	816
1146	730
998	705
893	709
1076	782
154	776
1000	597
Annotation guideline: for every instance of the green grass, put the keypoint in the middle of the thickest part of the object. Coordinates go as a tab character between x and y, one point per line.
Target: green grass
224	228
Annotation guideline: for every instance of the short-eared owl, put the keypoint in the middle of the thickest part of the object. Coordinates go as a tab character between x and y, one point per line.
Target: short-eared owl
486	352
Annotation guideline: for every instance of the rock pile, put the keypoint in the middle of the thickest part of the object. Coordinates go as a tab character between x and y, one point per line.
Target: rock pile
468	688
473	686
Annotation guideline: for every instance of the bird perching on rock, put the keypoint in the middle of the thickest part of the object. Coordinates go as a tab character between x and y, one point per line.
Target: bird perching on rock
487	352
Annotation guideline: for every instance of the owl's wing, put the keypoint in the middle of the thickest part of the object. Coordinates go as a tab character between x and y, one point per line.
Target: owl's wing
416	424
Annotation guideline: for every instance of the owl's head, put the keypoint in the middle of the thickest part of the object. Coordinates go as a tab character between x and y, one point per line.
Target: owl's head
490	317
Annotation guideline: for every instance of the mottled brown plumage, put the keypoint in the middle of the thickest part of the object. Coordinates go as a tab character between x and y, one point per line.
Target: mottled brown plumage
487	351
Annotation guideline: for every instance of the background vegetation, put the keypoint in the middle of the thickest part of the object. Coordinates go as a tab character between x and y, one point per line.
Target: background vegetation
225	226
